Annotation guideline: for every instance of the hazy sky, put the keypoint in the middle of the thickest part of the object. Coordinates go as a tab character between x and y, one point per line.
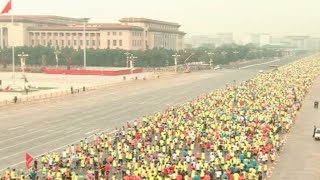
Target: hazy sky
197	17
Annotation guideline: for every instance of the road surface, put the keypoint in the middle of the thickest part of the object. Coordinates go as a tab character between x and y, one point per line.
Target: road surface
39	128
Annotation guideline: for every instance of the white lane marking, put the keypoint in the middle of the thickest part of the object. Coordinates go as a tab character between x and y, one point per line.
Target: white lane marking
92	131
73	130
59	147
38	146
24	142
13	165
15	137
57	127
259	64
35	131
141	103
113	131
18	127
66	145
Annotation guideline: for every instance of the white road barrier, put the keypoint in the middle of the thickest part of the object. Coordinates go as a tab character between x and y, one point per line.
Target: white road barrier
259	64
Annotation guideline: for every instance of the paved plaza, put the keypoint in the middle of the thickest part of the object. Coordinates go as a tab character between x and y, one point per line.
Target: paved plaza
58	82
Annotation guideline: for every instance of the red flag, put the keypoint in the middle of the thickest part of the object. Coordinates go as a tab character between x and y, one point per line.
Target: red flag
7	7
28	159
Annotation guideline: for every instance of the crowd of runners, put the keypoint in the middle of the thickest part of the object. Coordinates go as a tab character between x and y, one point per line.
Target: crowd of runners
233	134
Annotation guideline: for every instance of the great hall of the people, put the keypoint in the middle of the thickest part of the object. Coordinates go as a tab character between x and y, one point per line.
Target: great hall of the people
57	31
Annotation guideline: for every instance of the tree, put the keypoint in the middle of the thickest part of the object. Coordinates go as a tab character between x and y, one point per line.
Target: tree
68	62
157	57
44	60
4	60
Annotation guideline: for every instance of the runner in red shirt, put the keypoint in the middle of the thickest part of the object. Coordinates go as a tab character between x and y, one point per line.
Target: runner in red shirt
179	177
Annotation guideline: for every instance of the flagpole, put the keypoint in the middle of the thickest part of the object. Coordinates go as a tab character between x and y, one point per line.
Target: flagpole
13	60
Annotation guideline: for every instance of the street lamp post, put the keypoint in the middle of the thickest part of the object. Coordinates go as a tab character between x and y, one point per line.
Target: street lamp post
85	43
132	59
3	58
128	54
85	47
224	53
176	62
23	61
210	55
56	53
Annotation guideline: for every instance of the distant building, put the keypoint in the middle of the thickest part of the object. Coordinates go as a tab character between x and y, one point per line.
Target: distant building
306	43
224	38
157	34
197	41
57	31
298	42
242	38
315	44
258	39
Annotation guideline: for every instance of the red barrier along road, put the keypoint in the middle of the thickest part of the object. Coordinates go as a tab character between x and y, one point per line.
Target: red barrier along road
91	72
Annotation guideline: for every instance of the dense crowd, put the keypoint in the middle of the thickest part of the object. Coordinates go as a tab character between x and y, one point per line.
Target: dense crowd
231	134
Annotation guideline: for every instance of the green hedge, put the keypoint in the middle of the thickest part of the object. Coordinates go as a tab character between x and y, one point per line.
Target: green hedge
150	58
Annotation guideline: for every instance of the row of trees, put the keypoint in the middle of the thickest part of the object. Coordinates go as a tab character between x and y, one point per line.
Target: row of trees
149	58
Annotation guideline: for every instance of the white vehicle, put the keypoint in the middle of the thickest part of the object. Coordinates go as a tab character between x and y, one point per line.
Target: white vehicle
261	71
217	67
317	134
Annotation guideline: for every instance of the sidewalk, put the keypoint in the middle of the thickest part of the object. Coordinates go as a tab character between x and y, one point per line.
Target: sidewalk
300	157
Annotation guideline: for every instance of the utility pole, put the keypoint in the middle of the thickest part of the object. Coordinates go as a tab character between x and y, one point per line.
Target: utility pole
56	53
210	55
23	61
128	54
176	62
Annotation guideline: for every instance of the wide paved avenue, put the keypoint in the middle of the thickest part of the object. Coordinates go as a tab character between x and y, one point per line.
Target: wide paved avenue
42	127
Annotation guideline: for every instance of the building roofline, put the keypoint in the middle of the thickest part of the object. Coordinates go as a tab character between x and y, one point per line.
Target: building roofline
111	26
297	36
42	19
61	28
89	27
145	20
166	30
